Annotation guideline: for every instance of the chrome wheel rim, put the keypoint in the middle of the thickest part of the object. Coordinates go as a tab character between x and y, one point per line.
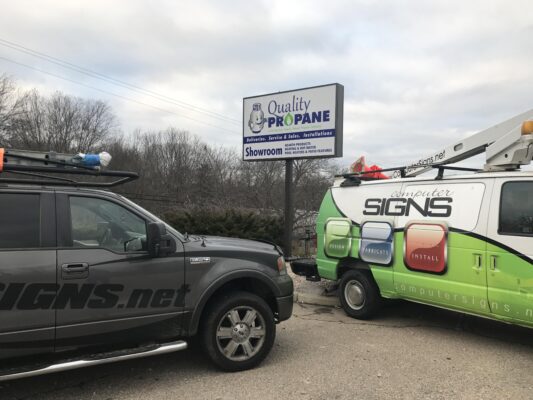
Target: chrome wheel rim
241	333
354	294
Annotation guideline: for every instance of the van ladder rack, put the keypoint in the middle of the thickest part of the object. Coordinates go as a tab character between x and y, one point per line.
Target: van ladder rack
355	178
40	164
441	169
361	174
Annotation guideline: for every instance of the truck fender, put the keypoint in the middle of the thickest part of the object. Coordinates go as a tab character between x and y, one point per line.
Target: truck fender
232	276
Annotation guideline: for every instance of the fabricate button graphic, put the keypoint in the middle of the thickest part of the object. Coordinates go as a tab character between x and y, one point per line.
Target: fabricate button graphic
376	243
338	239
425	247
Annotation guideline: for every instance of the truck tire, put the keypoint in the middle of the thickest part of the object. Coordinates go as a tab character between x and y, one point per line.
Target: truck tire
238	331
359	295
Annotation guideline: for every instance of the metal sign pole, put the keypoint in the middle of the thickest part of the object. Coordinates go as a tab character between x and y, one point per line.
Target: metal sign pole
289	207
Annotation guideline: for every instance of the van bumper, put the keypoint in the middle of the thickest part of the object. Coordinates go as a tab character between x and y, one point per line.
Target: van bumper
306	267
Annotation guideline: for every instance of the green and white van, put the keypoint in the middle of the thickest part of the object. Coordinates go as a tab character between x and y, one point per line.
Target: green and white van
462	242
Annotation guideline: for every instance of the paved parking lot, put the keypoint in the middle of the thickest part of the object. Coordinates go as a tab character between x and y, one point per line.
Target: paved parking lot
410	351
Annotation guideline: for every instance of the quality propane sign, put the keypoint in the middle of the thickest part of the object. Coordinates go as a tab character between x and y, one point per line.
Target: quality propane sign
303	123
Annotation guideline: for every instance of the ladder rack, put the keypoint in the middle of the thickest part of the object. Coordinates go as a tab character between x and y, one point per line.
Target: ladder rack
40	167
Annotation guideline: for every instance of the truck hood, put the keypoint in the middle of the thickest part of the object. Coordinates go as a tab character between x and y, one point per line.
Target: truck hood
235	244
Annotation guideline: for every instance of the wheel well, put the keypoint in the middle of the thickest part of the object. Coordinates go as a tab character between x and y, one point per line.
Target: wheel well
250	285
347	264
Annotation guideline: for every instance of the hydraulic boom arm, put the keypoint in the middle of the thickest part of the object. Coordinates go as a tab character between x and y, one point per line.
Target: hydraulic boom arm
507	146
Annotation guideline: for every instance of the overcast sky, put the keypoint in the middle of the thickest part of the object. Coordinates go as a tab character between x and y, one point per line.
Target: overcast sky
418	75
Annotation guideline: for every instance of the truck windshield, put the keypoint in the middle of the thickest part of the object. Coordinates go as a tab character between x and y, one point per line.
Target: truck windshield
152	216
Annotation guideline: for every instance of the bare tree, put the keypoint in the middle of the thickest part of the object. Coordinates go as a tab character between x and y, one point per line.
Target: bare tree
60	123
10	105
177	169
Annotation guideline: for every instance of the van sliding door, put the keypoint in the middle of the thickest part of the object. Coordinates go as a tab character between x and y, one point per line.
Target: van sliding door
444	224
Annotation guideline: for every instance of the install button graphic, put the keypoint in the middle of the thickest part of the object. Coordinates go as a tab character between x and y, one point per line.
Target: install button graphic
425	247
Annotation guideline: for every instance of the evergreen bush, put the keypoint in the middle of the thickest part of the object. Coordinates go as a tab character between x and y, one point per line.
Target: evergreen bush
230	223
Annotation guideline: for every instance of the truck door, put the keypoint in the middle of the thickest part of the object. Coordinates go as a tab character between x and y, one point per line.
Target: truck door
111	290
443	244
27	272
510	250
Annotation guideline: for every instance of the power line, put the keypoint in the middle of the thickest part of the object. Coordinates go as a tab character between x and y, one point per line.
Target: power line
116	82
113	94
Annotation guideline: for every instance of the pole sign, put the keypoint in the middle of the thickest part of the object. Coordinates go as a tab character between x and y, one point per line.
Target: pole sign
303	123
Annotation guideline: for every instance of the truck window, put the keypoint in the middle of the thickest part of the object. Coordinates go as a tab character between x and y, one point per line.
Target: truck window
20	220
101	223
516	209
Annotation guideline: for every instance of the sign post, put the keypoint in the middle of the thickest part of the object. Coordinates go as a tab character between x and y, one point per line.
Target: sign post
289	208
302	123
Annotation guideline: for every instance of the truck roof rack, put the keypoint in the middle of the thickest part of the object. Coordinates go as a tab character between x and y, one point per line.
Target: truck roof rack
40	167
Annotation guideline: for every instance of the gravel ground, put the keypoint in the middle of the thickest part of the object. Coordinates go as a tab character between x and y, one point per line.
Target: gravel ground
409	351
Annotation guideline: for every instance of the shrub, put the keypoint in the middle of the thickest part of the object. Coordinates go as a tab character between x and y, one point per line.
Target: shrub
231	223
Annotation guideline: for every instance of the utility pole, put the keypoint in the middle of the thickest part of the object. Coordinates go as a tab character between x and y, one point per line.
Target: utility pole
289	207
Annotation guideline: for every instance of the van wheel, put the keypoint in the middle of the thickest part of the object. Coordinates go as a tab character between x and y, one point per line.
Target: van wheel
359	295
238	331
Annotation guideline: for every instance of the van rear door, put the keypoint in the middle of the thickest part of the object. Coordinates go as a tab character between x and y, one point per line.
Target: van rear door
510	250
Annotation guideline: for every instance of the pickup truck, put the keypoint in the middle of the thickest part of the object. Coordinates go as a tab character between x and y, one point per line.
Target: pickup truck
88	277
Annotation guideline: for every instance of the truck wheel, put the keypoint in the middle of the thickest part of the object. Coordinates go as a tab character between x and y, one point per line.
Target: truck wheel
359	295
238	331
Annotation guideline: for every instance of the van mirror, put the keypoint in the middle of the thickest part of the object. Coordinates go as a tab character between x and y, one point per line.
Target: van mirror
159	242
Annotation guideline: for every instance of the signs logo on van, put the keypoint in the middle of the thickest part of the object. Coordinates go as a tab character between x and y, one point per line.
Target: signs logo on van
457	204
397	207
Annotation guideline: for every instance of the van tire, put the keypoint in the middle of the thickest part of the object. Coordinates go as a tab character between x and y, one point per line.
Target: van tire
359	294
217	320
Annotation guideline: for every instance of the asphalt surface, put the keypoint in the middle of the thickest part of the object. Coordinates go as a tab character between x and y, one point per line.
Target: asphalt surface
410	352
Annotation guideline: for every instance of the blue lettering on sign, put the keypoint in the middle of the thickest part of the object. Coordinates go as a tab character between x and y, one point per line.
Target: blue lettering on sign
300	119
250	152
323	133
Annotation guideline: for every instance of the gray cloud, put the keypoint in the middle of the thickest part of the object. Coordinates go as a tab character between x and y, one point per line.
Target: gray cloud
417	75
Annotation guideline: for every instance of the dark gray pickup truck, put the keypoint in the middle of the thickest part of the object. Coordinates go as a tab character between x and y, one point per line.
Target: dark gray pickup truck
88	277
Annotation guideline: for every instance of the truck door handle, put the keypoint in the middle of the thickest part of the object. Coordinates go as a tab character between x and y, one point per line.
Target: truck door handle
75	271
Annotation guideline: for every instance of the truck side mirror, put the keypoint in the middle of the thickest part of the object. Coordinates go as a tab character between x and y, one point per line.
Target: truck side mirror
160	243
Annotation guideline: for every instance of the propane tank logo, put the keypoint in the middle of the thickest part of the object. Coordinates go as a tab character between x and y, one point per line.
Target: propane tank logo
257	119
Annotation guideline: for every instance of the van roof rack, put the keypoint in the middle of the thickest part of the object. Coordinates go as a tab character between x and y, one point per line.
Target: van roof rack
361	174
355	178
40	165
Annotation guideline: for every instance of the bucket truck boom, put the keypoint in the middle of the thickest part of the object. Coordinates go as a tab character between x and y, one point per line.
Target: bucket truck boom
507	145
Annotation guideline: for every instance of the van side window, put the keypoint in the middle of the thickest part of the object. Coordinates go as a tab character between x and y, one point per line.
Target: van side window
516	208
20	221
101	223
